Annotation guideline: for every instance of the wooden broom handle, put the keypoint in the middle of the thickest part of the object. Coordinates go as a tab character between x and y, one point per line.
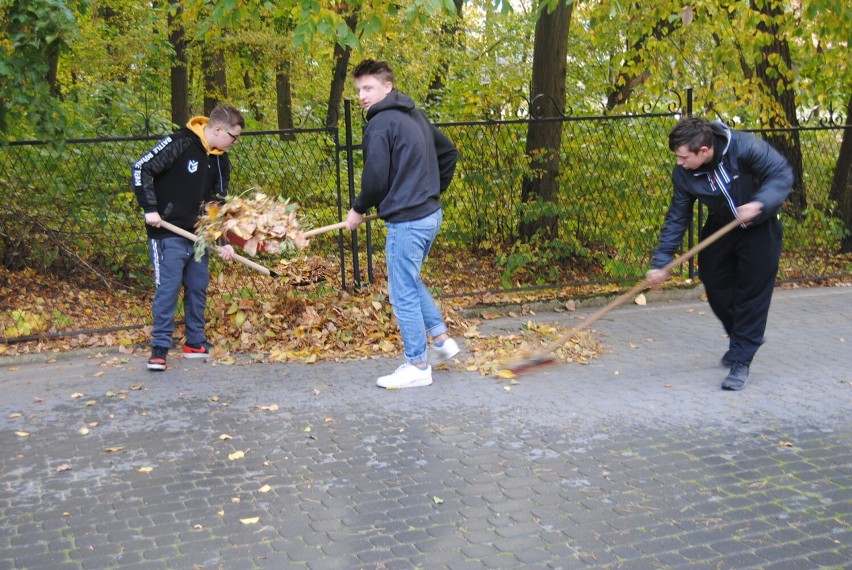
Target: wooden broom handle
630	293
332	227
192	237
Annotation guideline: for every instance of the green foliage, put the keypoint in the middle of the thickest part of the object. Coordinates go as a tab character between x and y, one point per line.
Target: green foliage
36	32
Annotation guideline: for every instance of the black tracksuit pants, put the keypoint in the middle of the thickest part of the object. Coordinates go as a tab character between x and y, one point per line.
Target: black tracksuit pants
738	273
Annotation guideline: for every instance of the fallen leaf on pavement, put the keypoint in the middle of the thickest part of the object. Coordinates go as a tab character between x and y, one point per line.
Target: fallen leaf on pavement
250	520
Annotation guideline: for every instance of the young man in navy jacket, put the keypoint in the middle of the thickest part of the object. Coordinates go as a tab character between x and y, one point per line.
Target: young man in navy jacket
736	175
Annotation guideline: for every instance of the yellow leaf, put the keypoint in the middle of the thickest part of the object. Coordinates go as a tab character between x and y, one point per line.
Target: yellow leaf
91	403
264	489
145	469
507	388
236	455
99	374
640	300
506	373
785	443
15	415
271	408
21	433
63	467
76	395
84	431
114	449
224	437
250	520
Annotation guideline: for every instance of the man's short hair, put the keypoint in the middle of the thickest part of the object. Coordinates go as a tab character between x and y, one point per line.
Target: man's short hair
228	115
380	69
692	132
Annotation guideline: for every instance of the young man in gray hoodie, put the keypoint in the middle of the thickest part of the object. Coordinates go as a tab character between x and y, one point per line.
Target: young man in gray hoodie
408	163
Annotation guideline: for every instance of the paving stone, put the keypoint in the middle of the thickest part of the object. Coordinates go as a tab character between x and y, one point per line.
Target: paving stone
575	468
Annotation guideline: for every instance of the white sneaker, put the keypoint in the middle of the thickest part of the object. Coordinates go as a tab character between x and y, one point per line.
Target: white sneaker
406	376
443	353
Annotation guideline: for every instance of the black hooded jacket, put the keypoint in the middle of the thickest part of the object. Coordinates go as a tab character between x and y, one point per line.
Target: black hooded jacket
755	172
176	176
408	162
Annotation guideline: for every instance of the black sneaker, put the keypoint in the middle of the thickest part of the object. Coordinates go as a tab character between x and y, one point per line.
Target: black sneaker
726	362
158	358
737	377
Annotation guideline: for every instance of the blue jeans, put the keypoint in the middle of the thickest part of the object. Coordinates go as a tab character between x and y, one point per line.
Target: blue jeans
174	264
406	248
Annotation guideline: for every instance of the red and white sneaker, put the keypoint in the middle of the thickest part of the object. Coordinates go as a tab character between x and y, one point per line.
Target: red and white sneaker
196	350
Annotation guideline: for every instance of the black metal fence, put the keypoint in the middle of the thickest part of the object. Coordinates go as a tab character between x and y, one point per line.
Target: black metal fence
70	209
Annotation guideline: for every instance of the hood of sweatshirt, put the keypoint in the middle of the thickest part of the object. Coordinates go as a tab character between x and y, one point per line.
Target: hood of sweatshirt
394	100
196	125
722	136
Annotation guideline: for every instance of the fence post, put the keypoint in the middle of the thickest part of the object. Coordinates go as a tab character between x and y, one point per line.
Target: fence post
691	228
350	170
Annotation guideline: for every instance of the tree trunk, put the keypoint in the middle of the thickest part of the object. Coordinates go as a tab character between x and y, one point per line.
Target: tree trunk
544	137
179	73
841	184
777	83
252	95
215	79
283	98
451	45
338	78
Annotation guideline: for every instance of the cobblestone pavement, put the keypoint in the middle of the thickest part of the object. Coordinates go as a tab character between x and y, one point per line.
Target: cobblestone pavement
637	460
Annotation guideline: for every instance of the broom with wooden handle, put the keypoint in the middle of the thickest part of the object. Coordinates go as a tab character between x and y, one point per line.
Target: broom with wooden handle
545	356
244	260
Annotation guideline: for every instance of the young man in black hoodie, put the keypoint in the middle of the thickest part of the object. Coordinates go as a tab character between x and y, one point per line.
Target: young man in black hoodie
408	163
736	175
171	181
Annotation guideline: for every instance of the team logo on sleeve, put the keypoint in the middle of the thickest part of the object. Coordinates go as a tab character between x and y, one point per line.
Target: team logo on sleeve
192	166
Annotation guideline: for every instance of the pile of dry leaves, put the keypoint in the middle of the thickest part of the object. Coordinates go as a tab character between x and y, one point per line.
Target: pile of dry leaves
256	223
298	317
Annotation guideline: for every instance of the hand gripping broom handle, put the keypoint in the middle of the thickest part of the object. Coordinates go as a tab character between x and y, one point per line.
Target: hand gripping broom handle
192	237
624	297
332	227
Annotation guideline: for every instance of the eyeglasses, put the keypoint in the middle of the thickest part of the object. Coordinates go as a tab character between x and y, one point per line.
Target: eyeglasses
230	135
